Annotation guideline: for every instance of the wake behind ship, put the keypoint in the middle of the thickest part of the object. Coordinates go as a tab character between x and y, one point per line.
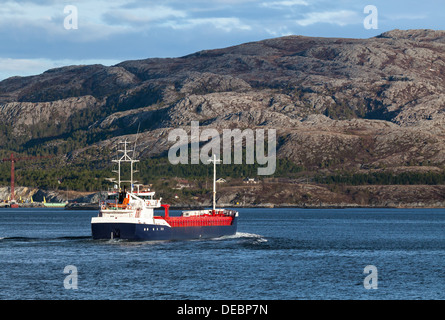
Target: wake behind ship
130	215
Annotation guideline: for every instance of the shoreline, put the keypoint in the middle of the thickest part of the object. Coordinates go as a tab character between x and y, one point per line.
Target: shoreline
390	205
95	206
264	195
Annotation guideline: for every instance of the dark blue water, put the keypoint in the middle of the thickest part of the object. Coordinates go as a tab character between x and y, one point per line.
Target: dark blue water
276	254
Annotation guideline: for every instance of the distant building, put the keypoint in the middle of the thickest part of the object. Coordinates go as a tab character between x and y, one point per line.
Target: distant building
250	180
221	180
183	184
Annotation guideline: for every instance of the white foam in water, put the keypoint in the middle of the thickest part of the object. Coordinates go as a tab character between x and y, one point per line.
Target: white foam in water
237	235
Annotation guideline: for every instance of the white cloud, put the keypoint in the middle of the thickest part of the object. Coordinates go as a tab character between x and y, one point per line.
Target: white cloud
143	15
284	3
341	18
24	13
96	19
225	24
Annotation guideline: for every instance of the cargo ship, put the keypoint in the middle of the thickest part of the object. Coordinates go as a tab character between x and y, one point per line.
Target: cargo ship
130	214
53	204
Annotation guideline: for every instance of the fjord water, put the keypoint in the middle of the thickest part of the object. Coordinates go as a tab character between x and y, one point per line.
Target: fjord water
276	254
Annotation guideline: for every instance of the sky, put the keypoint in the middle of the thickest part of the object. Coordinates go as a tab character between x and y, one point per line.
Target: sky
44	34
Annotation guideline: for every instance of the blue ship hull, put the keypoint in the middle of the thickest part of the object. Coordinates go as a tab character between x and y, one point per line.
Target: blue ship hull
135	231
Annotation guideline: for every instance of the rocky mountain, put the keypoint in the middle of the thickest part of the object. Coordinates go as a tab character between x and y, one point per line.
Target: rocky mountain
337	104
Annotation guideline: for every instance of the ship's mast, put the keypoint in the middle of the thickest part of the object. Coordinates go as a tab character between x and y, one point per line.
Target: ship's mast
214	179
125	158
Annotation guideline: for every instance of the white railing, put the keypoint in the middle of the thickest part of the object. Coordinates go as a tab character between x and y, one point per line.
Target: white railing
196	213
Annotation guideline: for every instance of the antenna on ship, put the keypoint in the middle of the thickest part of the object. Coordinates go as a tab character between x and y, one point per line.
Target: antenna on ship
215	161
125	158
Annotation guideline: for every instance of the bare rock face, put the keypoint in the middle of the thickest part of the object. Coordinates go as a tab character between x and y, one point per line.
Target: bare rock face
335	103
201	83
21	114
